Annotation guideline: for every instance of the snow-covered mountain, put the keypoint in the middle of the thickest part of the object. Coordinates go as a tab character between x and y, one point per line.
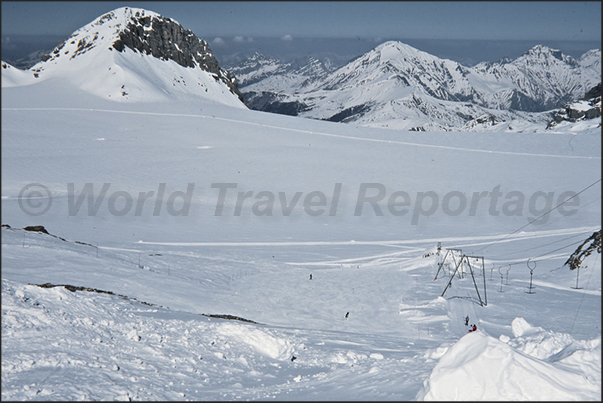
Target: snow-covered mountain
178	250
267	81
274	75
539	80
396	85
132	54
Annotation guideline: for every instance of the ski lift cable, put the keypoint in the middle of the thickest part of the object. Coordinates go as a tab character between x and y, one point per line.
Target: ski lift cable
539	217
522	261
563	247
584	293
579	208
550	243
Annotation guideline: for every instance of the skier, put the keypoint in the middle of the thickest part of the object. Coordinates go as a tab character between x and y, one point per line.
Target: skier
473	329
467	320
346	315
310	276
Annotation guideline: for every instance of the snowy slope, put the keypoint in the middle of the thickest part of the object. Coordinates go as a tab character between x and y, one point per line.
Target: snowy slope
340	299
257	267
13	77
591	60
96	60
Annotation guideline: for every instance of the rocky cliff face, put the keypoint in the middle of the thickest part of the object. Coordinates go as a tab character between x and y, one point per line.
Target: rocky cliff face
592	244
587	108
165	39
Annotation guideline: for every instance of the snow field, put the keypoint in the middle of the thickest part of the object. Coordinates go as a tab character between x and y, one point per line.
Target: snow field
217	359
401	341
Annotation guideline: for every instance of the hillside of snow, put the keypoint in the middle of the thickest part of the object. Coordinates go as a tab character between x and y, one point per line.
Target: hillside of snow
95	60
163	249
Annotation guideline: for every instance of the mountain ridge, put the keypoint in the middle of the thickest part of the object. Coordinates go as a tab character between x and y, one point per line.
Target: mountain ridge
132	54
398	75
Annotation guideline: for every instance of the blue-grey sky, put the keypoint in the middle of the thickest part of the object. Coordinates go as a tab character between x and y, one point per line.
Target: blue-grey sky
499	20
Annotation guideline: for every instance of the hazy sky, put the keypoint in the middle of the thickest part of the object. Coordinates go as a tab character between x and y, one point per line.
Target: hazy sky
501	20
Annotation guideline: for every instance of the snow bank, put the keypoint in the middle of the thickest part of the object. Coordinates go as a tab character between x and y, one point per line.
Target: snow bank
262	341
536	341
480	367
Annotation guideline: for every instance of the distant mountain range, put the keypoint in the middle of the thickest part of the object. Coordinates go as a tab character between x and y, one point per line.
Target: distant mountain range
397	86
133	54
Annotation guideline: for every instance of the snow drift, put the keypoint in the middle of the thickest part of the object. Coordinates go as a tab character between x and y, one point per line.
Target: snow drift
480	367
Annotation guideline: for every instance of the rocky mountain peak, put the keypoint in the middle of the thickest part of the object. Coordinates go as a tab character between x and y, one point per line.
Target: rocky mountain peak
164	38
546	55
394	50
145	32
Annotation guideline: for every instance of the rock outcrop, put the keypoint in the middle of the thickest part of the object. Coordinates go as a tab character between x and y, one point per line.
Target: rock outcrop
166	39
593	243
587	108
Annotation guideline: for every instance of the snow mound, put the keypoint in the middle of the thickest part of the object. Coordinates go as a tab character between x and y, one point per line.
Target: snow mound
519	326
536	341
262	342
480	367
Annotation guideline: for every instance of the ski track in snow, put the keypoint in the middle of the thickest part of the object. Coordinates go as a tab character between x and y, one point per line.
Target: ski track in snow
454	242
280	128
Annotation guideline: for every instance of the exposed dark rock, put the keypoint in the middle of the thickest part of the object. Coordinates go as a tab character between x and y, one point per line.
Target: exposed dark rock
347	114
570	112
74	288
523	102
594	92
168	40
487	119
230	317
464	116
584	250
592	113
36	228
41	229
271	102
84	243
